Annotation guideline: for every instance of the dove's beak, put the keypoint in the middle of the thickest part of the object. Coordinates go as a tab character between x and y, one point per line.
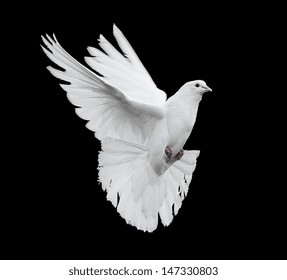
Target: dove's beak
207	88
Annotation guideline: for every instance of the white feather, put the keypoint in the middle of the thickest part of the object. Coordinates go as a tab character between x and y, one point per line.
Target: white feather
130	53
125	72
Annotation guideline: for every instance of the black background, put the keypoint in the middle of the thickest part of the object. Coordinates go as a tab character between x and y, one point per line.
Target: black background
53	207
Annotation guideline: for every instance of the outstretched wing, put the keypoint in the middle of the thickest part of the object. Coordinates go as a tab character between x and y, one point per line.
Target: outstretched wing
110	112
125	72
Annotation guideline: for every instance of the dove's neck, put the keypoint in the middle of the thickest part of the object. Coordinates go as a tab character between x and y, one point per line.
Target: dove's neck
185	98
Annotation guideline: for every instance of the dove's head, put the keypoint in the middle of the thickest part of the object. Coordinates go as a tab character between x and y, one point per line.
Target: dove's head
192	91
198	87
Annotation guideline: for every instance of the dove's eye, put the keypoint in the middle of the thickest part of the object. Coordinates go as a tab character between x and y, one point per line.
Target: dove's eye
197	85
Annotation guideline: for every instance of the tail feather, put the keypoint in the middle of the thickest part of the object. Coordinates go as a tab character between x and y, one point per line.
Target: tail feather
165	213
125	172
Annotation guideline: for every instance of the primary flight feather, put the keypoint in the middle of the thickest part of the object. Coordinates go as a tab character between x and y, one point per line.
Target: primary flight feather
142	165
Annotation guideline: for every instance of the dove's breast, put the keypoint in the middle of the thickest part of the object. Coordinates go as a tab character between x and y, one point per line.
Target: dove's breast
180	121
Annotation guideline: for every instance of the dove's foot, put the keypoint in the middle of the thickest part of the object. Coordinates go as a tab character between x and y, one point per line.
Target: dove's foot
168	152
180	154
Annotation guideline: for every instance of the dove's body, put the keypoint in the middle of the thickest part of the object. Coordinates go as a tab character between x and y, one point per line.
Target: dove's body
136	126
175	128
181	114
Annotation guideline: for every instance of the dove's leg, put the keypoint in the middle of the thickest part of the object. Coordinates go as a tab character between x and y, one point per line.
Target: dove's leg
180	154
168	152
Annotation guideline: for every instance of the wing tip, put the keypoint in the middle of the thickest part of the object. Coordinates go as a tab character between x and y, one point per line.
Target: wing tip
55	39
51	40
116	30
101	38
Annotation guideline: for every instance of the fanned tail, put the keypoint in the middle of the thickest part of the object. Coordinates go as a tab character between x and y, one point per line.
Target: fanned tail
133	187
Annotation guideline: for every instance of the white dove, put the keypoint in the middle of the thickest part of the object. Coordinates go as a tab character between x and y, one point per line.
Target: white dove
142	165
